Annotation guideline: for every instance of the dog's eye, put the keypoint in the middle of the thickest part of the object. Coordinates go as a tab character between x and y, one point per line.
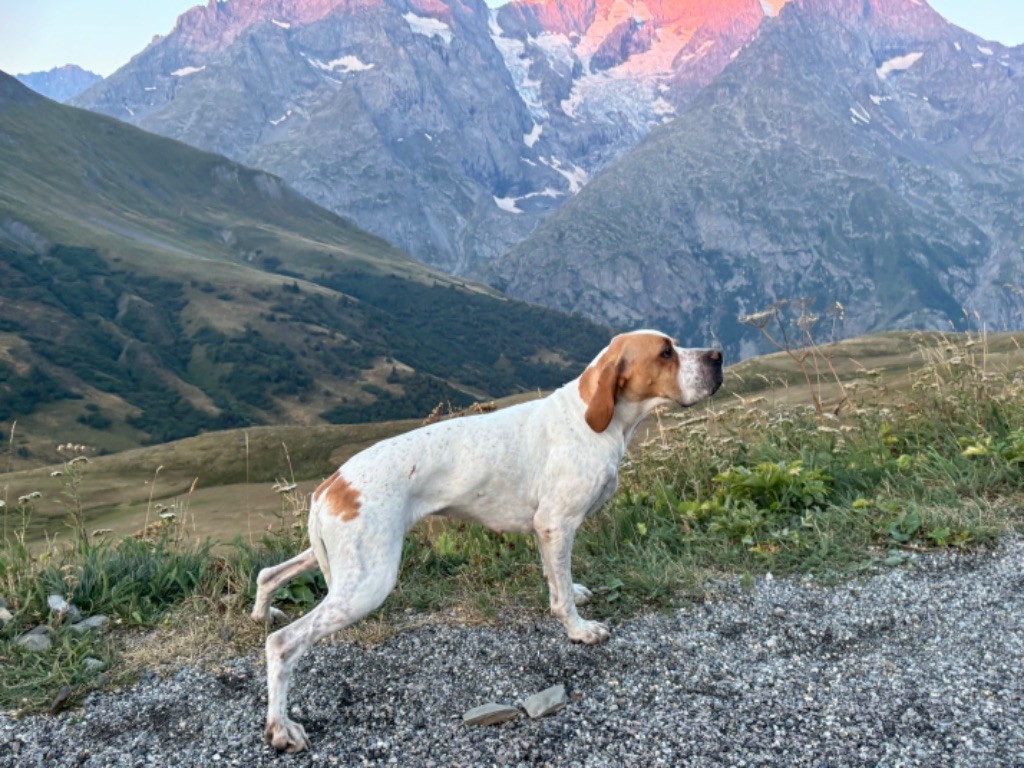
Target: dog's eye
667	354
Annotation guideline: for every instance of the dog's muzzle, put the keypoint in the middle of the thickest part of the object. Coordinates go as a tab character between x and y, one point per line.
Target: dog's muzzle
711	366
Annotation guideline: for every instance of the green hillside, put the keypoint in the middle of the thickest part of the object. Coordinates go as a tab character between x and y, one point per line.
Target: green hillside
223	481
150	291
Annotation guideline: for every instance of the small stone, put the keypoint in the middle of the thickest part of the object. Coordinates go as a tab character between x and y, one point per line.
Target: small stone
57	604
490	714
5	616
779	613
92	665
42	629
93	622
62	607
35	642
547	701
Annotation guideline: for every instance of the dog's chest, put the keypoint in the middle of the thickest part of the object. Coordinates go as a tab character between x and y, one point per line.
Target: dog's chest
606	492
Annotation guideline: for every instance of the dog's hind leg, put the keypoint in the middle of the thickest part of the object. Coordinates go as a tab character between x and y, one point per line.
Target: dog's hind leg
272	579
362	579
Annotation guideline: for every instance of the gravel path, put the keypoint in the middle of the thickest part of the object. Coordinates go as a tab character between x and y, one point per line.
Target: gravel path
918	666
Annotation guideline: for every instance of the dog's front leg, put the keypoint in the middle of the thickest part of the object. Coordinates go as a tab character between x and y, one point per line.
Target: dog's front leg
555	538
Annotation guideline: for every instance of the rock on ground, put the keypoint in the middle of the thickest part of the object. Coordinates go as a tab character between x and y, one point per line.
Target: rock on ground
918	666
547	702
490	714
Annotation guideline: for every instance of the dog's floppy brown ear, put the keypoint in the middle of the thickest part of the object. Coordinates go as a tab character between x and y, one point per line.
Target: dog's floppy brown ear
603	393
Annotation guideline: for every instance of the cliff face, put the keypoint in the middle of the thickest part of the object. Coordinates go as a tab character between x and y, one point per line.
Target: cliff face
865	152
450	129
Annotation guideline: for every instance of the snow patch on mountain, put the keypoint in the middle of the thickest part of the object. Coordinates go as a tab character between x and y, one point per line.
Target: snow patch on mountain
511	204
344	65
186	71
638	100
507	204
576	176
529	139
898	64
428	27
661	107
513	52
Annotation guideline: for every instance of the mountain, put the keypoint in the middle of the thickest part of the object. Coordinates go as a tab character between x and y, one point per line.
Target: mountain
149	291
444	126
60	83
860	151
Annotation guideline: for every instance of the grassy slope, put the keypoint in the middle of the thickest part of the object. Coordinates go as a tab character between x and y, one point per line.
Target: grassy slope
171	291
235	470
80	178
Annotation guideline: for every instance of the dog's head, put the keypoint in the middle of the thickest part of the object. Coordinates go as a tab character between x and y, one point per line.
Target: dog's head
647	366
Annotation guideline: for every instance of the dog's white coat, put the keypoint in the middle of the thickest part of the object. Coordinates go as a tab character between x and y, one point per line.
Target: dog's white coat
537	467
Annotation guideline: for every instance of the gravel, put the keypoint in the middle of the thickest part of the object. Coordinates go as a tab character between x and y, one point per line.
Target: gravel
916	666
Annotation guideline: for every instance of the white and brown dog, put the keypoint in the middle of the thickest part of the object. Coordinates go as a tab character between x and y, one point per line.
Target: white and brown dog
540	467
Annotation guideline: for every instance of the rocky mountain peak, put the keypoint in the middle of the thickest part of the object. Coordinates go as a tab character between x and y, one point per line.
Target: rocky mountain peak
900	18
218	23
60	83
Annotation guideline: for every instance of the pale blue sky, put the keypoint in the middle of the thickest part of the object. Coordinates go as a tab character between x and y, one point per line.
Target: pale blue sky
101	35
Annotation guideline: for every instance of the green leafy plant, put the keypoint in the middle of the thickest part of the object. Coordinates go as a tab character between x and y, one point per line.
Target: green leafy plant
1009	449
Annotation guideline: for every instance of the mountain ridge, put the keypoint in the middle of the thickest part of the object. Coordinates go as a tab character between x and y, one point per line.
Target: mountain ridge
829	159
446	127
149	291
60	83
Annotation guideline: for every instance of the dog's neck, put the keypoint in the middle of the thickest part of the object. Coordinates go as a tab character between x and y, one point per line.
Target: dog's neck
625	419
628	416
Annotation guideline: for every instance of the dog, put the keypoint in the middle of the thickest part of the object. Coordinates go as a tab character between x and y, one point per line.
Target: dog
540	467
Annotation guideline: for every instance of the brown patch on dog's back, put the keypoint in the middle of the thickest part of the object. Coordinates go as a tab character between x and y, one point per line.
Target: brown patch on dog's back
338	498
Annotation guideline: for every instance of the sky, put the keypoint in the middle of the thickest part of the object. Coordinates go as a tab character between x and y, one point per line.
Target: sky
101	35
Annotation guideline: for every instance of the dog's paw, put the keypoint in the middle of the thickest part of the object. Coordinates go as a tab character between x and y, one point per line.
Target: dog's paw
580	594
272	616
286	736
589	632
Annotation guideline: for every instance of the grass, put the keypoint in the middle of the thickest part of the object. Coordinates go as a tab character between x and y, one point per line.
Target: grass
925	453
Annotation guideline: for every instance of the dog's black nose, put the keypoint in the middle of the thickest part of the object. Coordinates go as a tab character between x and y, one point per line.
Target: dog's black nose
713	369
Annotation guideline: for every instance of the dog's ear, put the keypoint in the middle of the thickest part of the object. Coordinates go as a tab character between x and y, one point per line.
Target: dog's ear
603	393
